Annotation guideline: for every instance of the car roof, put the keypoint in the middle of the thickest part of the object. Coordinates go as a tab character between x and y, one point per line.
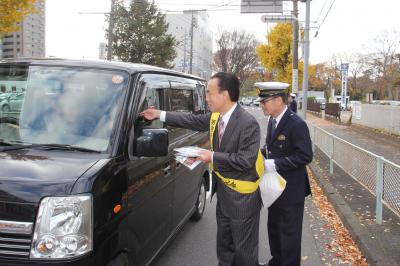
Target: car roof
101	64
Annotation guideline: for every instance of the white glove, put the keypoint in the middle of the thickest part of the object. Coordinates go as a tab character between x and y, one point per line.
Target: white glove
269	165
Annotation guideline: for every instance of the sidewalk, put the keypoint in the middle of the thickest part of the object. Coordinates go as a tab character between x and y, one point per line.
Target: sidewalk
356	205
324	242
373	140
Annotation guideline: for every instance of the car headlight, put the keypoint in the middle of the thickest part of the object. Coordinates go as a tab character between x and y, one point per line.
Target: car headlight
63	228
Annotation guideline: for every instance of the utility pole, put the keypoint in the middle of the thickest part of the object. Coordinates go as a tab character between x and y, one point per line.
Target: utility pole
191	43
184	54
295	71
306	55
111	31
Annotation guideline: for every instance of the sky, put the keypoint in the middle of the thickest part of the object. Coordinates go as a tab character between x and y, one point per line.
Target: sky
344	26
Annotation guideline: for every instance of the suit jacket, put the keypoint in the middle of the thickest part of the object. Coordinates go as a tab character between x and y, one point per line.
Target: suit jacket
291	148
235	158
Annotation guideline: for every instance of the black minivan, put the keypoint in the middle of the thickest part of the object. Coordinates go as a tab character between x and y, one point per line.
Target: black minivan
84	180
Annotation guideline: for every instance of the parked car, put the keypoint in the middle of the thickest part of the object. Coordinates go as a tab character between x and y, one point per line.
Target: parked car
84	179
256	102
4	104
343	107
248	101
13	102
321	101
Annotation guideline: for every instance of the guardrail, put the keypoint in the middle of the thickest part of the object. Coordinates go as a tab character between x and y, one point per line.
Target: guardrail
380	176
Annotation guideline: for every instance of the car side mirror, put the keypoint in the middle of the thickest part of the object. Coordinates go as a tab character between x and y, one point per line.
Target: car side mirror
152	143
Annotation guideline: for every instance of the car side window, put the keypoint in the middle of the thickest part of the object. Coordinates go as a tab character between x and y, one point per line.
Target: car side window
181	97
199	99
181	100
153	97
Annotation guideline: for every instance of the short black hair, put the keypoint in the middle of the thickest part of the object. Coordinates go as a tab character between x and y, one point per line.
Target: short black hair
228	82
284	98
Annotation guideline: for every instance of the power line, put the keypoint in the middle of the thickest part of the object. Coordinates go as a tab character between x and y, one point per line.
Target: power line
329	10
322	9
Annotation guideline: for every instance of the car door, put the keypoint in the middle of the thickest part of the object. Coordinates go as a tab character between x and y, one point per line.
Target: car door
150	183
185	95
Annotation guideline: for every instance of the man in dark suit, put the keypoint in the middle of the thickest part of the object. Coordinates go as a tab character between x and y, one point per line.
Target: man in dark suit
235	142
288	149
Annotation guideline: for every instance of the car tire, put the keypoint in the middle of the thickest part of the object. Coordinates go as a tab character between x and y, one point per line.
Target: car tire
121	260
200	202
5	108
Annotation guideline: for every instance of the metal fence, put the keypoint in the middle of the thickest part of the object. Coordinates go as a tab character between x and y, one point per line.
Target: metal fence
380	176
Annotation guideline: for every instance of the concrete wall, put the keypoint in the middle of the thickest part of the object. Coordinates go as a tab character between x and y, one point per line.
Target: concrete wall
377	116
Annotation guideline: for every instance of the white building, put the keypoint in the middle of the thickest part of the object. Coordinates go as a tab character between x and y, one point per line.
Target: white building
29	41
180	26
103	51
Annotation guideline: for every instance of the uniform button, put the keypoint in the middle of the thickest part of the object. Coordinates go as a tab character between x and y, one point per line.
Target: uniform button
269	152
280	146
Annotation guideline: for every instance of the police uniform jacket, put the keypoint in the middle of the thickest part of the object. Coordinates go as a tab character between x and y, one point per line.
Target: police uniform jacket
290	147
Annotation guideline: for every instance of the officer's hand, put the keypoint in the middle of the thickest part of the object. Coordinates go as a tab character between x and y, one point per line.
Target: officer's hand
269	165
151	114
204	156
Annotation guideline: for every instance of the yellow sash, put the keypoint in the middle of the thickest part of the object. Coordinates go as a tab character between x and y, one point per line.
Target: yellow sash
240	186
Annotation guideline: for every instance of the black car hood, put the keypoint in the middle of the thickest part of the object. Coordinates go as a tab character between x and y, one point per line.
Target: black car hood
27	176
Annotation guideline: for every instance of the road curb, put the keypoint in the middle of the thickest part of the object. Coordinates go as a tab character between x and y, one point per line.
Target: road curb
370	248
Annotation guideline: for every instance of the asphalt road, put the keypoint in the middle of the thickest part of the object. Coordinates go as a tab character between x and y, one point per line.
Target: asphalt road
195	244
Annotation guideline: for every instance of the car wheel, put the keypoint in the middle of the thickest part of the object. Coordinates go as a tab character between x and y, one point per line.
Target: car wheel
121	260
200	202
6	108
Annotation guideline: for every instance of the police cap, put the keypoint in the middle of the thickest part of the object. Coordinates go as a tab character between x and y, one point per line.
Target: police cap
269	89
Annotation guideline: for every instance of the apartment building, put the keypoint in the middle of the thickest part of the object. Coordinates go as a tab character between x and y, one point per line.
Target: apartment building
198	47
29	41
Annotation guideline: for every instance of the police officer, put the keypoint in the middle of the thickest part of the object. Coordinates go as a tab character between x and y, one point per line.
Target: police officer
288	150
292	102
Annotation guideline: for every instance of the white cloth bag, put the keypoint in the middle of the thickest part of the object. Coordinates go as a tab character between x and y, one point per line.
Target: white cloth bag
271	186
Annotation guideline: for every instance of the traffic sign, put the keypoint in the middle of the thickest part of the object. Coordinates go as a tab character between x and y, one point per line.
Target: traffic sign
277	18
261	6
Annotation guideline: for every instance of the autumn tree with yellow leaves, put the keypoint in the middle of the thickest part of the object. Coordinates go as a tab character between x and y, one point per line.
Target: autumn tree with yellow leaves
276	55
13	12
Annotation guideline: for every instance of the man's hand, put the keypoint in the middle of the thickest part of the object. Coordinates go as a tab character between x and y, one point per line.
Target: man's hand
151	114
204	156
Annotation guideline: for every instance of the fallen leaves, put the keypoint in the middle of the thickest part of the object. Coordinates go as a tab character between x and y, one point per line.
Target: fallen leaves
342	246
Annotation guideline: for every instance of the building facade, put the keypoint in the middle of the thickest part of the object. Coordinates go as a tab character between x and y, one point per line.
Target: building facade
194	53
29	41
103	51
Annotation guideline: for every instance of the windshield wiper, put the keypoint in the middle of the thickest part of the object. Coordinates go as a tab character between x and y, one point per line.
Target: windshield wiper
51	146
3	143
14	143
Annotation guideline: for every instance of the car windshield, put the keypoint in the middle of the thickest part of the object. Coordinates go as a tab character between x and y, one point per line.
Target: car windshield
59	105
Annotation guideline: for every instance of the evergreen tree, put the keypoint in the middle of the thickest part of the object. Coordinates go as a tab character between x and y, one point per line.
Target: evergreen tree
140	35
